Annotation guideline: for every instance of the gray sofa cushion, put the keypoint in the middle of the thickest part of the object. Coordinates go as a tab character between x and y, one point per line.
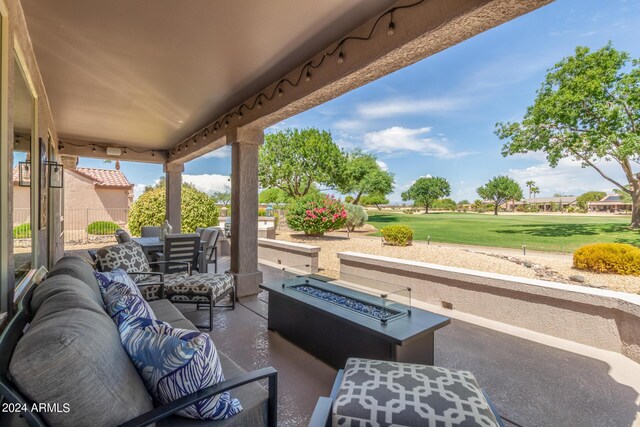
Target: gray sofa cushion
72	354
167	312
253	398
65	292
79	268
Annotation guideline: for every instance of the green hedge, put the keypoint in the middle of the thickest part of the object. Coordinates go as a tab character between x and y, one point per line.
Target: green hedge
198	210
397	235
22	231
102	228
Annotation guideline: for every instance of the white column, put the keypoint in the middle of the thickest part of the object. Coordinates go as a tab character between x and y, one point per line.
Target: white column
173	202
245	144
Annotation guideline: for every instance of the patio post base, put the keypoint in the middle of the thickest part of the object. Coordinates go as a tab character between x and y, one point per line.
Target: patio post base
247	284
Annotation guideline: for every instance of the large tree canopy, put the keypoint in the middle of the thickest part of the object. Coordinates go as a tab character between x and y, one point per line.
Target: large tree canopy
587	109
294	160
427	190
500	189
363	175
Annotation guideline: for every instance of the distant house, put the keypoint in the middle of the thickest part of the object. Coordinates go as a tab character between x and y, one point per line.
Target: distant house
546	204
89	195
610	203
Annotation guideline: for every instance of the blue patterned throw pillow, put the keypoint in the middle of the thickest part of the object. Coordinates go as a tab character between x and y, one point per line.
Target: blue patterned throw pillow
108	278
176	362
119	299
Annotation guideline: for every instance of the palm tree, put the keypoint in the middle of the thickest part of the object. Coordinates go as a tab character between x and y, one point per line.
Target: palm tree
530	185
533	190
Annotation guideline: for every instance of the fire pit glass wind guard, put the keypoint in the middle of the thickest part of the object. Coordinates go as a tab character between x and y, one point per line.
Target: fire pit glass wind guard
383	305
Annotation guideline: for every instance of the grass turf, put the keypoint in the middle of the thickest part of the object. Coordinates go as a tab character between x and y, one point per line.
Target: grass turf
555	233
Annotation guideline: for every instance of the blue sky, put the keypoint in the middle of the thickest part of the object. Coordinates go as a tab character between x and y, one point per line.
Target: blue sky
437	117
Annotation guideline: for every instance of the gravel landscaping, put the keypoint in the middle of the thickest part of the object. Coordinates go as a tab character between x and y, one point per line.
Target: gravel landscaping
552	266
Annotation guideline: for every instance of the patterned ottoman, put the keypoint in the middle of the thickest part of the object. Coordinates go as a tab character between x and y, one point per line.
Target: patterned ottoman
199	287
378	393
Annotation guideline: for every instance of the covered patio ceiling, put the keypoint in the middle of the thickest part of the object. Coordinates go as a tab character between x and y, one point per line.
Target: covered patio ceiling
151	75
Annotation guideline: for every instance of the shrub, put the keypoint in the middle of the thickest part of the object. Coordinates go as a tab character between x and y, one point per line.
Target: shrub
397	235
102	228
198	210
356	216
315	214
618	258
22	231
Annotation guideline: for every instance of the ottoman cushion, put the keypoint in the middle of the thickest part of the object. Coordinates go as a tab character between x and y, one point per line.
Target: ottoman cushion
383	393
198	287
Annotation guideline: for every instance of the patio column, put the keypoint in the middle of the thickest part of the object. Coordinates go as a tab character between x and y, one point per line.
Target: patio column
173	202
245	144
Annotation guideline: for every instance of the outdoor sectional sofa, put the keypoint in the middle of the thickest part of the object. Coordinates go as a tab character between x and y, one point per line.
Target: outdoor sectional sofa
62	349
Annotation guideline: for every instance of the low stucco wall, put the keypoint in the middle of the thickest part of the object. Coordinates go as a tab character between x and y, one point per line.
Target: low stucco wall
604	319
267	232
288	254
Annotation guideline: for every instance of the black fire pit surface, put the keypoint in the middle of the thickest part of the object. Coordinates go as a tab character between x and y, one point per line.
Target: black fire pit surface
334	333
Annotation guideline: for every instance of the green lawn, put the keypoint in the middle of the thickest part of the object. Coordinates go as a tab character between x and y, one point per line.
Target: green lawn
558	233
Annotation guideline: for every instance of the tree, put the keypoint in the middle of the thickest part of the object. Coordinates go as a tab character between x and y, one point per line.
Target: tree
590	196
464	202
426	190
373	199
273	195
535	190
363	175
295	160
587	109
222	197
530	185
198	209
500	189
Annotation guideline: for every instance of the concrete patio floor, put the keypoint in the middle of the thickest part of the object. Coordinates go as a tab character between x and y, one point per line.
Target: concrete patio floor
531	384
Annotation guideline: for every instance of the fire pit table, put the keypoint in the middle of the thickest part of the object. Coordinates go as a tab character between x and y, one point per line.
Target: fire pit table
334	323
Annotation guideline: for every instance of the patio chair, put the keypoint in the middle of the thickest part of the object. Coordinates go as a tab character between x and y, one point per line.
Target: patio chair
209	242
150	231
370	392
122	236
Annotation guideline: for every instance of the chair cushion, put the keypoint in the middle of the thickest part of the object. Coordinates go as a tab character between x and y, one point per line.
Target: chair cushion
72	354
176	362
198	287
128	256
80	268
405	394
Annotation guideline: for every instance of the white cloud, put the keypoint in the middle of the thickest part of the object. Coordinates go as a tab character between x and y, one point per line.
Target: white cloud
569	177
396	107
397	140
209	183
382	165
138	189
350	125
220	153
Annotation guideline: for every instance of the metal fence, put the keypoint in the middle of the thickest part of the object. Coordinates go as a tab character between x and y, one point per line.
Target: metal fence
83	226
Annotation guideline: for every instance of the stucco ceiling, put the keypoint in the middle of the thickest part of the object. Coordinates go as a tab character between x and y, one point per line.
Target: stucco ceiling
148	73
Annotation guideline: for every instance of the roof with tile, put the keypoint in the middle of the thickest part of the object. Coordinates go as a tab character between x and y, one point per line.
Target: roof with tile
104	178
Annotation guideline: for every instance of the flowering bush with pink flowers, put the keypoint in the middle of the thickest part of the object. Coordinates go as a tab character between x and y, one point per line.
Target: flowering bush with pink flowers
315	215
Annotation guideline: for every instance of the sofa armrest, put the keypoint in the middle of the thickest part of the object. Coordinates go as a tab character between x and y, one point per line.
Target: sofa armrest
164	411
321	416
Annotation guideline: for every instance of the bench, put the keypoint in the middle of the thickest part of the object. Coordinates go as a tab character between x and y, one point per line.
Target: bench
62	352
